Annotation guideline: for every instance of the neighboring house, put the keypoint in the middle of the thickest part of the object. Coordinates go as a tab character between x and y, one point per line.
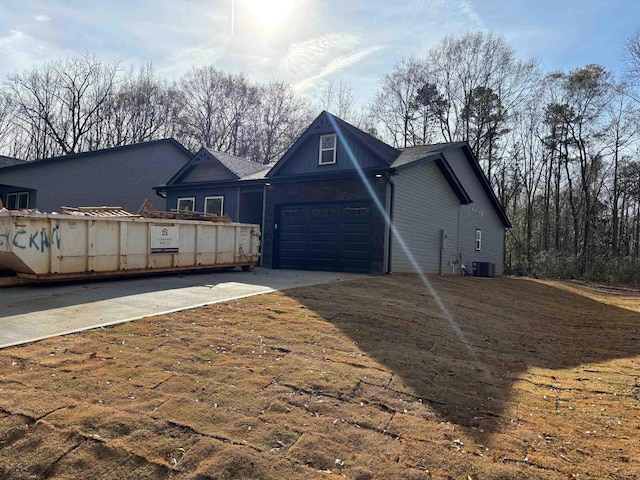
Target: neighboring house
119	176
237	183
326	204
9	161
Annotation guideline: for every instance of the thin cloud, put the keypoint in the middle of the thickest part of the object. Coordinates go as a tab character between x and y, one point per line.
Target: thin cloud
311	60
42	18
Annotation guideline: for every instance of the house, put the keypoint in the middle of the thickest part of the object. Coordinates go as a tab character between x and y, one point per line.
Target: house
119	176
237	185
341	200
9	161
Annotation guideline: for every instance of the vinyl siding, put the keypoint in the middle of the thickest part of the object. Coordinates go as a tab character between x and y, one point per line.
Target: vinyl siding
480	214
117	177
424	204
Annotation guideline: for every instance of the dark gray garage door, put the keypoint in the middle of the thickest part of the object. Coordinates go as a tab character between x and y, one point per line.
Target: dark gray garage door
325	236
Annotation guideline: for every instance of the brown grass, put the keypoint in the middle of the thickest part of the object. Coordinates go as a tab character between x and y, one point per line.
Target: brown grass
366	380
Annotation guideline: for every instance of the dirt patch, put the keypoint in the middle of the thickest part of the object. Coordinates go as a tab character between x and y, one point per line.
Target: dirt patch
365	379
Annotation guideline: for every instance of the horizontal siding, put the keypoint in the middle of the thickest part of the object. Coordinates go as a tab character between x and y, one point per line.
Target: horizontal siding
478	215
424	204
118	178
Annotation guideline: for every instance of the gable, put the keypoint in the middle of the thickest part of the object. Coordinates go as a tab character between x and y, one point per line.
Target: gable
212	166
307	157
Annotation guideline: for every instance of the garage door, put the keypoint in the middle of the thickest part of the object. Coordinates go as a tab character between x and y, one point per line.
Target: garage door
325	236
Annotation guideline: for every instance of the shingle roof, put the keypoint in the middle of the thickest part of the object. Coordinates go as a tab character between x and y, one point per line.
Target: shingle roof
420	152
9	161
241	167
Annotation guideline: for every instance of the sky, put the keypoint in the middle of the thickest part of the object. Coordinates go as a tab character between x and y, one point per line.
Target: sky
307	43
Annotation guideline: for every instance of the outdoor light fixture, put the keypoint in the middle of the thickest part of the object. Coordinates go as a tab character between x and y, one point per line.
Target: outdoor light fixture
378	175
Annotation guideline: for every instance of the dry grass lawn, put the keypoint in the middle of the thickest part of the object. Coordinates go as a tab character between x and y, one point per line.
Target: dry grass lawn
367	379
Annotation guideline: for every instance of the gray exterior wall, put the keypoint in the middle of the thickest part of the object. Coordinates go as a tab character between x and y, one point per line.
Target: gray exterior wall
116	177
230	195
325	191
480	214
306	160
424	205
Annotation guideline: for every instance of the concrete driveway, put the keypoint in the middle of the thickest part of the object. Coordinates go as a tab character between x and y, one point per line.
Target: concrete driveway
32	313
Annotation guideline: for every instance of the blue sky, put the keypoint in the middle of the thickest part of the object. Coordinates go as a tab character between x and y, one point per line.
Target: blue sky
307	42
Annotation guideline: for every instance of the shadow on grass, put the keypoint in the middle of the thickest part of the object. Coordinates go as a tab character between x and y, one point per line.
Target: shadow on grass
508	326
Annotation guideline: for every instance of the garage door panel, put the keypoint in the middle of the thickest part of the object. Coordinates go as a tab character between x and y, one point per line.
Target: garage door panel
328	236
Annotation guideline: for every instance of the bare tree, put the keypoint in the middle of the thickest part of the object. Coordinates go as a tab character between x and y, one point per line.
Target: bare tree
340	98
281	118
215	109
394	106
60	102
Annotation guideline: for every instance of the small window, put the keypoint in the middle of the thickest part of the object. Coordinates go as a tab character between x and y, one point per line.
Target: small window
18	200
327	149
187	204
478	239
214	205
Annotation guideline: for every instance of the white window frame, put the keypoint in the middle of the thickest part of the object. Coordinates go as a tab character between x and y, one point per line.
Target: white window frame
215	197
478	239
190	199
16	196
322	150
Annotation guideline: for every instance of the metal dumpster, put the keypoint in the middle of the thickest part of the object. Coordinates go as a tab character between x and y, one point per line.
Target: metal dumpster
48	246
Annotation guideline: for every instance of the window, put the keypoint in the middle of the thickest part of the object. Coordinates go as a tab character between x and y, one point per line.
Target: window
214	205
478	239
188	203
327	149
18	200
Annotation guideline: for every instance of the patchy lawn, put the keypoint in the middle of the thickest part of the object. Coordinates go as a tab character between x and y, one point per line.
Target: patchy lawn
365	380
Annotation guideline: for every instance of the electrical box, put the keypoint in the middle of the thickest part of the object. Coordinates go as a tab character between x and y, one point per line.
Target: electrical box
443	239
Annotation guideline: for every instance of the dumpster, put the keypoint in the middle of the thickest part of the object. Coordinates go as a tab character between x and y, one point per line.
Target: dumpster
41	246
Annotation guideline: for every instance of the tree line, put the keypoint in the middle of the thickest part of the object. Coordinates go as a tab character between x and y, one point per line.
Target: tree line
560	149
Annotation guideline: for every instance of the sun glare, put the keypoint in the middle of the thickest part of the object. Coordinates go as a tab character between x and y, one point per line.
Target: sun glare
269	14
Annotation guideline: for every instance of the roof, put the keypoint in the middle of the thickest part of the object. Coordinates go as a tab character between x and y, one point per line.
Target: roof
35	163
240	167
420	152
9	161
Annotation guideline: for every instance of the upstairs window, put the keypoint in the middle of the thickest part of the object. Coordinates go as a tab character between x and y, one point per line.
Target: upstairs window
327	149
214	205
18	200
478	239
187	203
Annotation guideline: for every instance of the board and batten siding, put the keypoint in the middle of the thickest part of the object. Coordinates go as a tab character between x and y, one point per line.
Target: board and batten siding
307	158
480	214
230	195
424	205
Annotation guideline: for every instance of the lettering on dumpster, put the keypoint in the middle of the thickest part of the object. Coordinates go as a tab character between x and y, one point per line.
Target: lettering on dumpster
24	239
164	239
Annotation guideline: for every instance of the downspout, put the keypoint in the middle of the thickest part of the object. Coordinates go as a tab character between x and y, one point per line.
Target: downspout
264	216
390	232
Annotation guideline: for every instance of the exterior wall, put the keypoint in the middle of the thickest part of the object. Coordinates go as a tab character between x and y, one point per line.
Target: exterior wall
119	177
424	205
306	160
324	191
478	215
207	171
230	195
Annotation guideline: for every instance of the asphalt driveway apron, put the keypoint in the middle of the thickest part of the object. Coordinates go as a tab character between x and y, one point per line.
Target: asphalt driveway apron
31	313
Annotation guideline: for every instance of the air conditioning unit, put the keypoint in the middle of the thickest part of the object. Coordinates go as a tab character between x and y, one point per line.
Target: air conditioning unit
484	269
